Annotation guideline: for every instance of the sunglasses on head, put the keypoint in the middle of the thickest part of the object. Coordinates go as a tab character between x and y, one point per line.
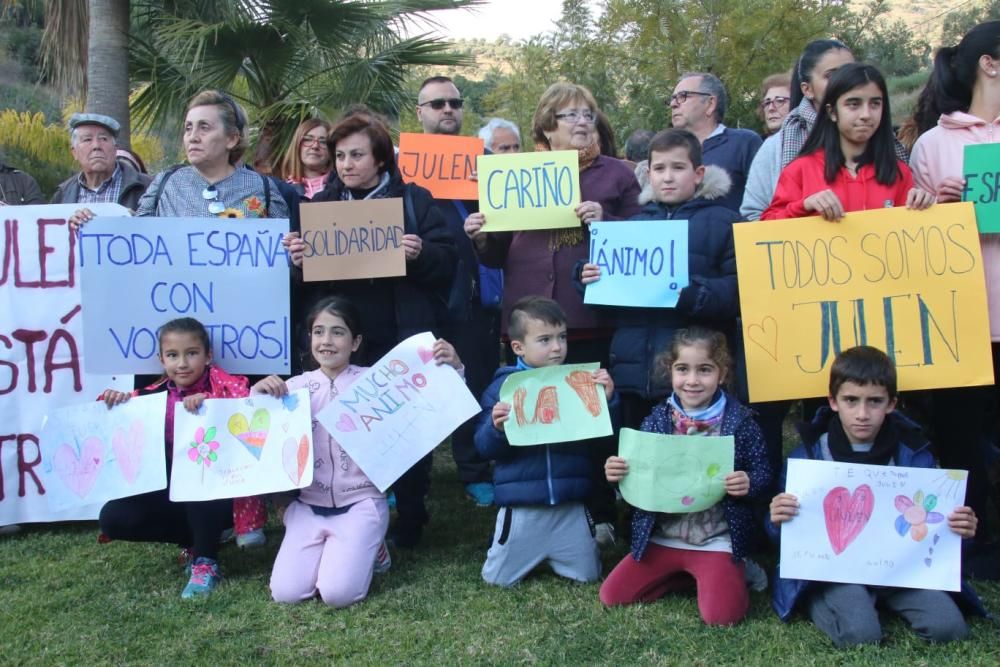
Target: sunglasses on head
438	104
211	195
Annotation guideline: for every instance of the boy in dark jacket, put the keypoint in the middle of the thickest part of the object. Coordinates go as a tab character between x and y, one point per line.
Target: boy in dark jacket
680	188
863	428
540	489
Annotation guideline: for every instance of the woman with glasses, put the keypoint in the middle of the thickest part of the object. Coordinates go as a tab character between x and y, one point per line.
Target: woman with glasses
774	103
214	182
542	262
307	162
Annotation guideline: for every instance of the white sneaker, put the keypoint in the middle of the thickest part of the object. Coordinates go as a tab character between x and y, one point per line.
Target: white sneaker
604	534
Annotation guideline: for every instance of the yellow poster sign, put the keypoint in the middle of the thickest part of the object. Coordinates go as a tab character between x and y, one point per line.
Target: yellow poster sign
520	191
907	282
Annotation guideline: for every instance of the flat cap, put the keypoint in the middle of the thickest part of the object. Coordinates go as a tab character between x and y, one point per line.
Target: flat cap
79	119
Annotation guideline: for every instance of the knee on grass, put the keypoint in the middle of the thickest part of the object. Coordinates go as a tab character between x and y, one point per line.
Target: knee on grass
340	597
944	629
856	635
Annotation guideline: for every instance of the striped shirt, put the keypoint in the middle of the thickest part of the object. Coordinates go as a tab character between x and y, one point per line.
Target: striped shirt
242	192
106	193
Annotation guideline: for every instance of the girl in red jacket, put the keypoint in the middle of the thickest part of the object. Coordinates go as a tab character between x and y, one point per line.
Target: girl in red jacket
848	162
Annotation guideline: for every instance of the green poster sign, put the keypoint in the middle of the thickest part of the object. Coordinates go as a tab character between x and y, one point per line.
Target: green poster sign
982	184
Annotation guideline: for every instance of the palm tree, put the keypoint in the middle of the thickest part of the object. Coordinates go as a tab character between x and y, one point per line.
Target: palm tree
285	60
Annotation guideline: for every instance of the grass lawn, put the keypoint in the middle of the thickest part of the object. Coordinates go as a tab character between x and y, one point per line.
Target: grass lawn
65	599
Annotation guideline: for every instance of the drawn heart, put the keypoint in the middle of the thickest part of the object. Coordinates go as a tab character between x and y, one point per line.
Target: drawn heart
425	354
294	457
345	424
128	450
79	473
291	402
847	514
252	435
765	336
284	427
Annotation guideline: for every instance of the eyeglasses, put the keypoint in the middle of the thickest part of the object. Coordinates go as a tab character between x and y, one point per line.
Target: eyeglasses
313	141
682	96
574	117
776	102
211	195
438	104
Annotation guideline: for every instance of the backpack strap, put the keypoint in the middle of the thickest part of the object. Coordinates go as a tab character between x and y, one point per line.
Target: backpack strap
163	182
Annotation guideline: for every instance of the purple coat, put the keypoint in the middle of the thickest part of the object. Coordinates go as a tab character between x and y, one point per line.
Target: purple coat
531	268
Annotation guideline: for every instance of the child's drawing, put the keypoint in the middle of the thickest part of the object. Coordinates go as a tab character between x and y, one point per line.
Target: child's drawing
847	514
951	483
210	467
588	391
546	406
91	454
916	514
253	435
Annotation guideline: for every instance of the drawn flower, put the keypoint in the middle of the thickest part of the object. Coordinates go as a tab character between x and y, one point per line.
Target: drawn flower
916	514
202	449
231	213
254	206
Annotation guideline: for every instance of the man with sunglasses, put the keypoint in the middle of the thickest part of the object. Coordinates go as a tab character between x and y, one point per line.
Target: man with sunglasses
474	300
102	179
698	104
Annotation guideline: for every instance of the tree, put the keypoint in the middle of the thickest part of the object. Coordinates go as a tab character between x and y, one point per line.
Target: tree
959	22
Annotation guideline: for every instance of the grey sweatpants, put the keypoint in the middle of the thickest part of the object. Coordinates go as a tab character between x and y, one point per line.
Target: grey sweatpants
525	537
847	613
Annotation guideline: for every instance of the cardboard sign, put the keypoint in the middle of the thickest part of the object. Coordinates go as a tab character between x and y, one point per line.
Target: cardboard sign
907	282
238	447
346	240
232	276
982	184
876	525
93	454
678	474
442	163
41	351
643	263
555	404
529	190
399	410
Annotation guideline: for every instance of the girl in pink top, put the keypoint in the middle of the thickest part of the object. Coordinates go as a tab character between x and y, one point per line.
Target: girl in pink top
334	532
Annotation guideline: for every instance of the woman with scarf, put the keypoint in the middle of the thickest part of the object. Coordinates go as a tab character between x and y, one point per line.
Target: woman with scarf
542	262
393	308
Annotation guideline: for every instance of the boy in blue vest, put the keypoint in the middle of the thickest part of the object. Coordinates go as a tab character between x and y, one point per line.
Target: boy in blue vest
540	489
861	427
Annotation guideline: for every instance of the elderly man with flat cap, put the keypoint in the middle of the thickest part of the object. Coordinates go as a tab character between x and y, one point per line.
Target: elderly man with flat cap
102	179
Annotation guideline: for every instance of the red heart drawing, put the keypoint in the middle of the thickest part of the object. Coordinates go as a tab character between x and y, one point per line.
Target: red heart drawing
765	336
79	473
128	450
425	354
345	424
847	514
294	457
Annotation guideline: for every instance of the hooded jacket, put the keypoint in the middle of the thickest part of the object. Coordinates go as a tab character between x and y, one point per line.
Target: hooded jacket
913	451
940	153
710	299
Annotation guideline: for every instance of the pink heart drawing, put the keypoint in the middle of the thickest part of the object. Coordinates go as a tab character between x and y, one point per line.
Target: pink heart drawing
294	457
345	424
128	450
425	354
79	473
847	514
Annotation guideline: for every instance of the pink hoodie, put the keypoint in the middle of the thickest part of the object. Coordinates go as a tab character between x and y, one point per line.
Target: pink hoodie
939	153
337	479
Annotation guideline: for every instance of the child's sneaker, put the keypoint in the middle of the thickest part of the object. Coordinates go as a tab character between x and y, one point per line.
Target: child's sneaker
226	535
480	492
383	561
604	534
255	538
204	578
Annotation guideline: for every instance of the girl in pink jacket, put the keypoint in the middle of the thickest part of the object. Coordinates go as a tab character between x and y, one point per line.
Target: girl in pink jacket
335	531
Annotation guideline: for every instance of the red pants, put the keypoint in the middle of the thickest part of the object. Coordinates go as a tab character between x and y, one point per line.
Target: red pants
722	591
248	514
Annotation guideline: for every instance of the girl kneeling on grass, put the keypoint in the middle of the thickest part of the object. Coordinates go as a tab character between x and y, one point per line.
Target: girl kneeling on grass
189	378
335	531
849	162
669	549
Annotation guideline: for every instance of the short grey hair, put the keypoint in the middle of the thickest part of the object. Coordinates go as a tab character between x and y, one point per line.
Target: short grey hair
72	134
712	85
494	124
